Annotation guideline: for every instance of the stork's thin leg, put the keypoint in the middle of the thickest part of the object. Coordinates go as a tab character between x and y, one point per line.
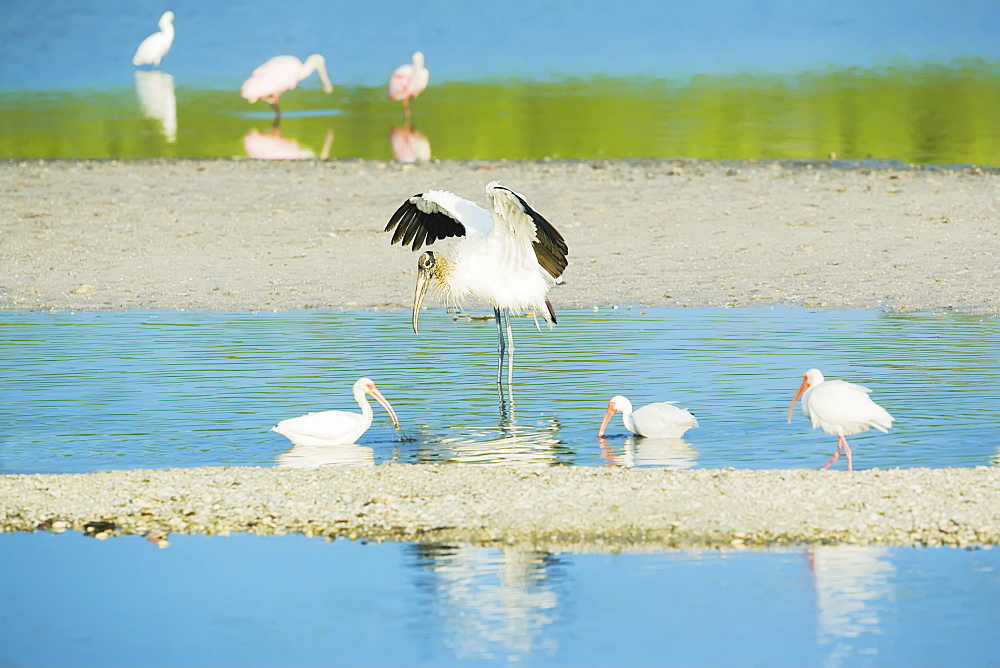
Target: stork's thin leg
510	354
501	345
836	455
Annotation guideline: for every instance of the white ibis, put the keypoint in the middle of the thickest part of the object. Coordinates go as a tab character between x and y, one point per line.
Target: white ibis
839	408
152	49
280	74
658	420
509	255
408	81
336	427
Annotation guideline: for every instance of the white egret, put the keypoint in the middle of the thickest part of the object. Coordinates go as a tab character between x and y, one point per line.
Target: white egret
152	49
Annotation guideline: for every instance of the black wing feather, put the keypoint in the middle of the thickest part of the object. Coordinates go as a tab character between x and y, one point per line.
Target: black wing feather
410	223
551	250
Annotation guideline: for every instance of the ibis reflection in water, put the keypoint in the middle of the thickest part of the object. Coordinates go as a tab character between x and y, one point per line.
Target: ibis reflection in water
839	408
508	256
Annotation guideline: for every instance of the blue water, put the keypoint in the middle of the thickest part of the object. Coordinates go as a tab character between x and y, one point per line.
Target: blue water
293	601
90	391
63	44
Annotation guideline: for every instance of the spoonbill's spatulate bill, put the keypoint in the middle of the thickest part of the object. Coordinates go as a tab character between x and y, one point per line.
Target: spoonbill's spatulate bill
280	74
152	49
408	81
336	427
839	408
509	255
657	420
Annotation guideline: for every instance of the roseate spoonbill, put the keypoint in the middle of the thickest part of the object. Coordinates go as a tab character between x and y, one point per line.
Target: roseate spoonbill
658	420
280	74
409	81
509	255
840	408
409	145
152	49
336	427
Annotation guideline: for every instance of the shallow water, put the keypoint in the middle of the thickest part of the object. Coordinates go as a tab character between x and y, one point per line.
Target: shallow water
92	391
904	81
293	601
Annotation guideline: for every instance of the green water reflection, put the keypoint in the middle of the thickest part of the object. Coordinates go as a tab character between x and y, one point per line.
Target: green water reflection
926	114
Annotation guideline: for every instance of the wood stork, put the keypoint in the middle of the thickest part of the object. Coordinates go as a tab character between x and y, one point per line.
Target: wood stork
658	420
509	255
839	408
336	427
152	49
280	74
409	81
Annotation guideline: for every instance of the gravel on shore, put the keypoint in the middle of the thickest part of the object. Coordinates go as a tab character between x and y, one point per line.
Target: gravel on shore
557	508
249	235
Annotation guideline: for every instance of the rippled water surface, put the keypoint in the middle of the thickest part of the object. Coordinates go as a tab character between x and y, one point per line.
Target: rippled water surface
91	391
294	601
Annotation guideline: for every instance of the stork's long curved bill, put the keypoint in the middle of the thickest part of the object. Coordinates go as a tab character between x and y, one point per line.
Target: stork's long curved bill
607	418
385	404
423	280
802	388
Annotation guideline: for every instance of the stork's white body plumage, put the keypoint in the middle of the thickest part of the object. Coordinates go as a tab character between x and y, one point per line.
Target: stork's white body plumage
509	255
152	49
661	419
839	408
336	427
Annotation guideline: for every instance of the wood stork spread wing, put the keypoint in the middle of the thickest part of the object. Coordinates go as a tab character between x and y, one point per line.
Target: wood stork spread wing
438	214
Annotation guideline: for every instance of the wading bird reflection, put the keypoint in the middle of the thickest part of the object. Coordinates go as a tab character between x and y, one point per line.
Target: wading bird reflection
336	427
839	408
508	256
271	145
152	49
408	81
280	74
155	90
409	145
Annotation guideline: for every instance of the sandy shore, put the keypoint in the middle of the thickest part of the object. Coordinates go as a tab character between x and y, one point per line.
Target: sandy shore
246	235
555	509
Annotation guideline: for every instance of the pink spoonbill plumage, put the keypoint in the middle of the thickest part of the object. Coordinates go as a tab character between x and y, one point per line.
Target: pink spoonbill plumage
508	256
152	49
336	427
657	420
839	408
408	81
281	74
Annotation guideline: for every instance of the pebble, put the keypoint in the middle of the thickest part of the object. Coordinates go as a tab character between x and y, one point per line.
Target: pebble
559	508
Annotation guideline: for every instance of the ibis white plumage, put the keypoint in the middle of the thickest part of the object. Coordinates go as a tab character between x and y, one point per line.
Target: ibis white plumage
839	408
336	427
152	49
657	420
509	255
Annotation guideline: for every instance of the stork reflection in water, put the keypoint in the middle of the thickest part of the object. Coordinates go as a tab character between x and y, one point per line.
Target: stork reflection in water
509	256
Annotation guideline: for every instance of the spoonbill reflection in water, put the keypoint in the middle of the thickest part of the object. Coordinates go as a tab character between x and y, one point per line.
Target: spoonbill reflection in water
336	427
409	81
839	408
272	146
280	74
657	420
152	49
409	145
509	255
